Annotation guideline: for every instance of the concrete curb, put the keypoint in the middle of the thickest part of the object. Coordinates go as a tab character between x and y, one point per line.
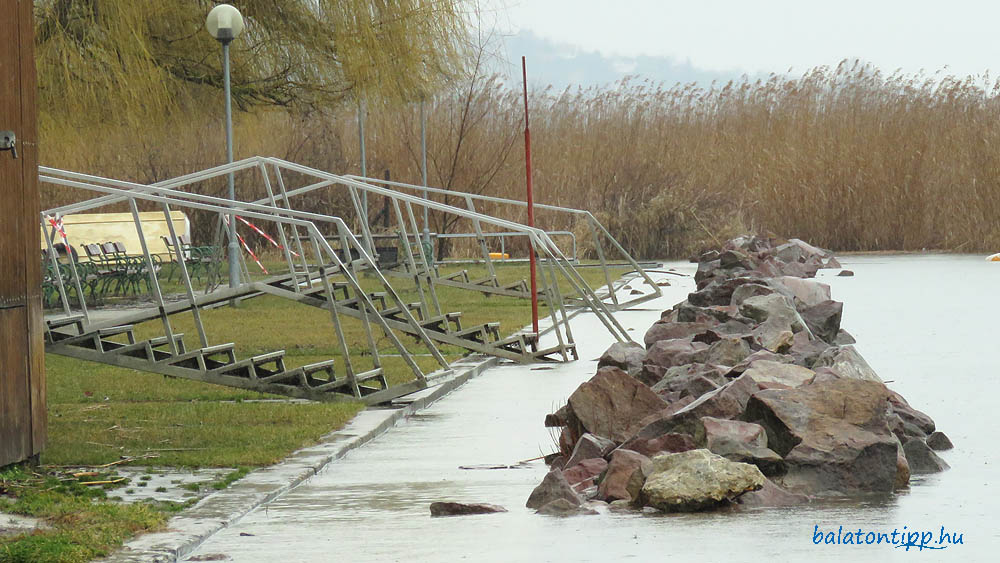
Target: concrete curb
220	510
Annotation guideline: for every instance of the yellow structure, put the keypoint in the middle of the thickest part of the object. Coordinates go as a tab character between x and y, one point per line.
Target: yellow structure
86	228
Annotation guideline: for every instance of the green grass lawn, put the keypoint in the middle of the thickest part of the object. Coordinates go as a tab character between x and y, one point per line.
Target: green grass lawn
98	413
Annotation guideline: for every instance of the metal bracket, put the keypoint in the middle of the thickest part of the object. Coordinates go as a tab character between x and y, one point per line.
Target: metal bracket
8	142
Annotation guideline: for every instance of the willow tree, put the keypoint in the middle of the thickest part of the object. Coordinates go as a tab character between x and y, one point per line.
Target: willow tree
128	61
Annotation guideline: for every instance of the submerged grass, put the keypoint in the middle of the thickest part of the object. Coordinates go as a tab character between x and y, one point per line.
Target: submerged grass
83	524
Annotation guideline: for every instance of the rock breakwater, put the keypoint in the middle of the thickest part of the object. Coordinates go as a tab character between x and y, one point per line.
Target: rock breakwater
748	392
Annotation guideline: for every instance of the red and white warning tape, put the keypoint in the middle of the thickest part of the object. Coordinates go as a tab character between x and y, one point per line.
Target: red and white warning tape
247	247
57	224
265	235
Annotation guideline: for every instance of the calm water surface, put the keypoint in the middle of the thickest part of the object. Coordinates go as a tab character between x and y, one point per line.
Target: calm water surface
924	322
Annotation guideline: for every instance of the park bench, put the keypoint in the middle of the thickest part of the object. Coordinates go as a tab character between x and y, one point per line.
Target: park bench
198	259
87	273
116	271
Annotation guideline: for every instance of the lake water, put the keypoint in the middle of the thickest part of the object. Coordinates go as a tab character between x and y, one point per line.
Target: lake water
923	322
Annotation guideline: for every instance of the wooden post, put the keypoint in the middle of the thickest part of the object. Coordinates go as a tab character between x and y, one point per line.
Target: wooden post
22	367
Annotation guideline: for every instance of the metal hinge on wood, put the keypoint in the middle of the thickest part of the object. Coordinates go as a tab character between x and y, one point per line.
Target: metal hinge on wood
8	142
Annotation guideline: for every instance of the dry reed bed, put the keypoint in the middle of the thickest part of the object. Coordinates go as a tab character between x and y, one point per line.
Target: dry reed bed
847	158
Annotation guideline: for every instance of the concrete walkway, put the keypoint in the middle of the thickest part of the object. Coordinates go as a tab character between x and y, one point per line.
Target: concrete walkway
260	492
218	511
372	505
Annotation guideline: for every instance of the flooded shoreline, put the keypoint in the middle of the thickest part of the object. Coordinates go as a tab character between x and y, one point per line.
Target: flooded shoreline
373	504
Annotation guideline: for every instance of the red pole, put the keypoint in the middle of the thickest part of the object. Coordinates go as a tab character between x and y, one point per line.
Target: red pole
531	201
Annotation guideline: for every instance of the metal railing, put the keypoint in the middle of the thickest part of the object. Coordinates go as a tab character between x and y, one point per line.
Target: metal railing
302	233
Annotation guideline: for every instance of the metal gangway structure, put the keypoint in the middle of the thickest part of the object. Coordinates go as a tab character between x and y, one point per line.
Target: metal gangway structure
333	263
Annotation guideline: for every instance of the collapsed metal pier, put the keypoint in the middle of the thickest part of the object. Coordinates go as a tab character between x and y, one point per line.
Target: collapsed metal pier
330	265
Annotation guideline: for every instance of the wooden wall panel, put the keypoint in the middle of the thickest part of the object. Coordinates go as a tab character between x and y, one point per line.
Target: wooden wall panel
15	403
12	271
32	238
22	368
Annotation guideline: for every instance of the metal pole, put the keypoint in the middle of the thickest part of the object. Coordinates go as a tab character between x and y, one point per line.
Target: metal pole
531	201
364	161
423	168
234	249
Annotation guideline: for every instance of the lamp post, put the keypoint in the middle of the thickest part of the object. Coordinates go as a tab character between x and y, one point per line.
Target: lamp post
225	23
423	169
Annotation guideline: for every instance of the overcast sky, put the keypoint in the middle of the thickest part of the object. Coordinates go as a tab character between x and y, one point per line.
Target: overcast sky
763	36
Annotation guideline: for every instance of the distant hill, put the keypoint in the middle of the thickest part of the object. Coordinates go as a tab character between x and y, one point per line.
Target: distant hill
562	65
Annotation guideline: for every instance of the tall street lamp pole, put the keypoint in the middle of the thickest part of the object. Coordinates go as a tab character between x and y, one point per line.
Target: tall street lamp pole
225	24
423	170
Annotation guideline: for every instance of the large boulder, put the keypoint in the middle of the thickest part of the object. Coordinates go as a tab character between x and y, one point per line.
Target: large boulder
624	476
718	292
697	480
939	441
731	258
652	443
748	290
558	418
844	338
676	404
774	335
771	496
739	441
823	319
562	508
712	315
766	459
902	468
707	268
626	356
807	350
846	362
665	354
581	475
789	252
692	380
728	351
611	404
671	330
589	446
732	327
833	435
770	374
803	292
712	431
727	401
910	415
774	307
922	458
808	250
741	367
797	269
769	267
463	509
553	486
